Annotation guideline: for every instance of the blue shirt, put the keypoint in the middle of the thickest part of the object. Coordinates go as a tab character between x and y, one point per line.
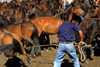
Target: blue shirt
66	31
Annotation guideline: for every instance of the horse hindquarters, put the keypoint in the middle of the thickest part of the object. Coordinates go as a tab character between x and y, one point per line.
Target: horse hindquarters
8	45
30	33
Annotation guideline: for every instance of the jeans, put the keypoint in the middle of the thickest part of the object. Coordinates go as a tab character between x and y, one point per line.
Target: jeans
62	50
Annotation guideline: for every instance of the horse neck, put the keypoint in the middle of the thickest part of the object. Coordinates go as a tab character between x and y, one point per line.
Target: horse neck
39	12
99	11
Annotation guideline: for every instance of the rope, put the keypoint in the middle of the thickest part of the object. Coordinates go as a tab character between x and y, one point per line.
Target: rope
47	45
82	55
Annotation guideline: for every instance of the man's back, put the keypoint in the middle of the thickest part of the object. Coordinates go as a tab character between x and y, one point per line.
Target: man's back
66	31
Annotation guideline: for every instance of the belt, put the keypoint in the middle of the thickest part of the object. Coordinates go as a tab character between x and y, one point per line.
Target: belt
65	42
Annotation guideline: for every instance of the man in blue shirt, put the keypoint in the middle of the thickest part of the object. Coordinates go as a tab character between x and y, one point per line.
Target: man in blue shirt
66	38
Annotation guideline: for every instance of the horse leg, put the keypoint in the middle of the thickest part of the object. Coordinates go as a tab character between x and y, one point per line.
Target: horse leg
33	44
22	48
35	39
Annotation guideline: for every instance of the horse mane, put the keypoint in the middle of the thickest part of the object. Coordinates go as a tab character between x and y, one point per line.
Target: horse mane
3	22
39	12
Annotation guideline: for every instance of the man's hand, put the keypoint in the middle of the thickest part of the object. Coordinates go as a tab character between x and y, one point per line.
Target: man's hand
81	43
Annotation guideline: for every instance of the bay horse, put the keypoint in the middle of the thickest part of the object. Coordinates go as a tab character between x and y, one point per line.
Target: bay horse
9	43
28	32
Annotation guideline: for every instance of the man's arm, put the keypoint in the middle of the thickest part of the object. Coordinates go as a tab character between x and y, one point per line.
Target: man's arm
81	36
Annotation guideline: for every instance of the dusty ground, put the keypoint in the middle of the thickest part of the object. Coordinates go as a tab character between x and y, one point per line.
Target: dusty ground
47	59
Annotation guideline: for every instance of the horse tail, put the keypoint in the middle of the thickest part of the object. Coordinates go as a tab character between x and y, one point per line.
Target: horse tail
35	39
8	47
17	46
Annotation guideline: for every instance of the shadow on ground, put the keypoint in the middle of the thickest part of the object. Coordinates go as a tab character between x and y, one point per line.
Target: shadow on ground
66	63
15	62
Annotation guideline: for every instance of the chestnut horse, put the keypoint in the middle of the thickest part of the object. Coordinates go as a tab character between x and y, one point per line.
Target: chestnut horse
9	42
51	24
47	24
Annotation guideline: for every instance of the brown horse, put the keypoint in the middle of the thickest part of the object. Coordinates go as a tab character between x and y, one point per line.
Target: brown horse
15	15
51	24
27	31
93	12
3	5
47	24
43	8
76	10
9	42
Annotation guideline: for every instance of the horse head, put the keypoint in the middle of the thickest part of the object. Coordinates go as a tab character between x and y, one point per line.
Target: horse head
94	12
35	12
3	22
78	11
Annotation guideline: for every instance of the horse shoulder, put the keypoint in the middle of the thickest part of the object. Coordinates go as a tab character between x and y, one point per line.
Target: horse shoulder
7	39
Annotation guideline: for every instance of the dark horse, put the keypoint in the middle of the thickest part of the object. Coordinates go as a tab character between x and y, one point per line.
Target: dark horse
90	28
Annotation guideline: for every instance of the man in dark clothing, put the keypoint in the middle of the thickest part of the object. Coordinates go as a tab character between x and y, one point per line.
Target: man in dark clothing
66	38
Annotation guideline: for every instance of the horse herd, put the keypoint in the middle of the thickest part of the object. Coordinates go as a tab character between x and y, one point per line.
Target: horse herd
13	36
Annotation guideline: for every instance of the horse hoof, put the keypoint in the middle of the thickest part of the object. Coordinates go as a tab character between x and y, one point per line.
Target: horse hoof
33	55
91	56
38	53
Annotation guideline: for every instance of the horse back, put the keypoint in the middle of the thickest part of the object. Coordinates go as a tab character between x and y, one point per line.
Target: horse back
47	24
15	28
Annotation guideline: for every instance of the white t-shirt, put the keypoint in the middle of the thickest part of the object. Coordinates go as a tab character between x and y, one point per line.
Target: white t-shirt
8	1
5	1
69	1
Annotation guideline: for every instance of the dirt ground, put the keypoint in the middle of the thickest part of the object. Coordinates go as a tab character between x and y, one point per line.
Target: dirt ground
47	59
